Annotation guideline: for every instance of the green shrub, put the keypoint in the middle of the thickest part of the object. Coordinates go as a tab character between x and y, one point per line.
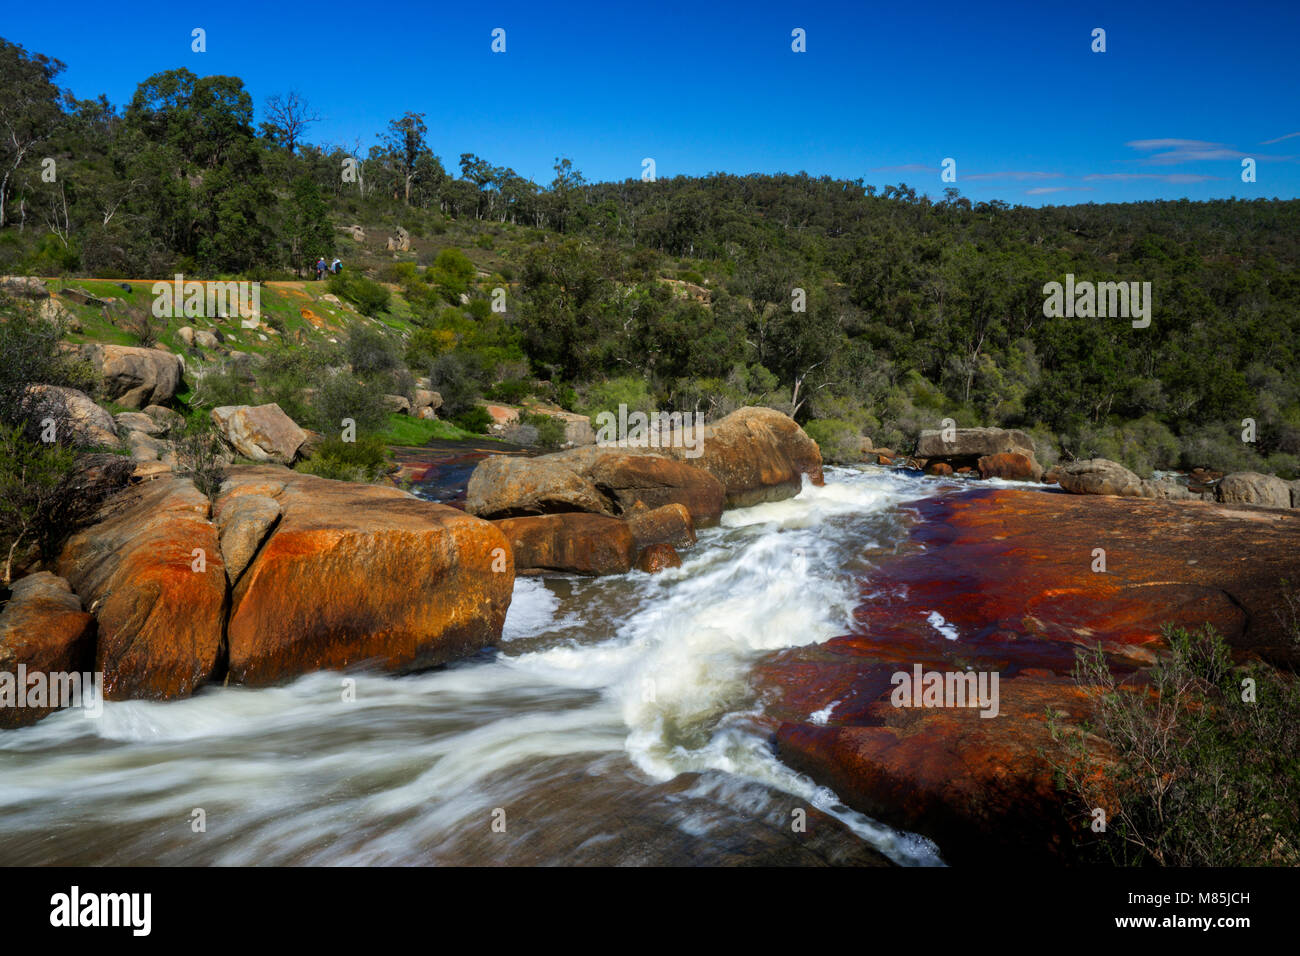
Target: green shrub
630	390
371	352
839	441
512	391
550	430
455	376
30	353
365	459
199	455
343	396
1200	776
474	419
44	494
368	296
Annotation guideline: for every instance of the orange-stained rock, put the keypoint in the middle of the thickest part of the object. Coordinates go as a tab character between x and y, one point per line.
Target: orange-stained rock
43	628
502	415
575	543
657	557
1010	466
753	455
759	454
159	619
976	786
362	575
1010	574
940	469
653	480
669	525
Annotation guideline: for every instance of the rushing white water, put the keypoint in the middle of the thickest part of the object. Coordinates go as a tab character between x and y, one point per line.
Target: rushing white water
617	722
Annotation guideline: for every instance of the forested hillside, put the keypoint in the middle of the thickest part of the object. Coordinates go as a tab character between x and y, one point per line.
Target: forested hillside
863	311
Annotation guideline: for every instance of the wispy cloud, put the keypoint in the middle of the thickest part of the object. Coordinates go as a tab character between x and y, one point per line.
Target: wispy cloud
1161	177
1177	151
1018	175
1040	190
1147	144
1270	142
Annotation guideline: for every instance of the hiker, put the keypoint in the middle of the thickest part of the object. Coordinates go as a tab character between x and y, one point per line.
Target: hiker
320	268
336	266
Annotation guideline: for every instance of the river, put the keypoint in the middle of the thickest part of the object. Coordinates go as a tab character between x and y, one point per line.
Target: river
615	723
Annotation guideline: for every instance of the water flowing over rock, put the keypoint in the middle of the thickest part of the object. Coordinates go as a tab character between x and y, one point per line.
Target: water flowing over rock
158	603
136	377
361	575
44	628
260	432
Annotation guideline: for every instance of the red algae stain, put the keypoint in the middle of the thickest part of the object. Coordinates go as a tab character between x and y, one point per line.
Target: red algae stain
1013	583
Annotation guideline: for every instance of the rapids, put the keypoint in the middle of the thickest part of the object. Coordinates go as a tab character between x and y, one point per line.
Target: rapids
615	723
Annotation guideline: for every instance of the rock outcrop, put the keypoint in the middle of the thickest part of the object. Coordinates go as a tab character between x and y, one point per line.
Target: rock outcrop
136	377
971	444
1006	583
263	433
1099	476
44	629
24	287
1011	466
634	480
506	487
69	408
759	454
670	524
1252	488
151	572
357	575
572	543
752	455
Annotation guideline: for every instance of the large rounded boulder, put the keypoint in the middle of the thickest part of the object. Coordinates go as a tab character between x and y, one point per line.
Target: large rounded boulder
358	575
151	572
136	377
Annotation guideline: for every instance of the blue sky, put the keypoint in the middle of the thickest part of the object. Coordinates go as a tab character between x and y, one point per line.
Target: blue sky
885	91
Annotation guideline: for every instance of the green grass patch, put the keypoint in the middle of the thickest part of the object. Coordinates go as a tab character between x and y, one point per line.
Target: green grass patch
405	431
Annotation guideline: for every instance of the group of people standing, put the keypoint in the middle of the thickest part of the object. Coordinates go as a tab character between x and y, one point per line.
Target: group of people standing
334	267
